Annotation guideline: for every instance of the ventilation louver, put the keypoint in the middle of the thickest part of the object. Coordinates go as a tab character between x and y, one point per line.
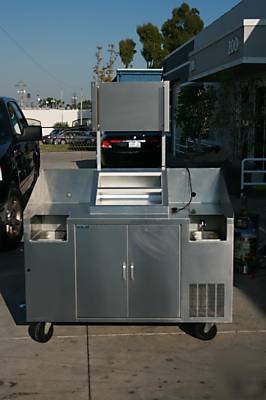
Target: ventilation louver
206	300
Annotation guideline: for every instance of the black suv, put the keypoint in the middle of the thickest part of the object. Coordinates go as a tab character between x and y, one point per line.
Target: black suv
19	169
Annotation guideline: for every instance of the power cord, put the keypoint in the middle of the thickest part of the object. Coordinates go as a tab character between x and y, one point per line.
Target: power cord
192	194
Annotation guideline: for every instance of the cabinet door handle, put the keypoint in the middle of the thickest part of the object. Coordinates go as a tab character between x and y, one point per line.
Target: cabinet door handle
124	271
132	268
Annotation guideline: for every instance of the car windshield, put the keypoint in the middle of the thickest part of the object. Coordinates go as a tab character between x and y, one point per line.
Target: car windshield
54	132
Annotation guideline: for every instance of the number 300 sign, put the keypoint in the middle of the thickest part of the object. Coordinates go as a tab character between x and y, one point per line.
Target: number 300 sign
233	46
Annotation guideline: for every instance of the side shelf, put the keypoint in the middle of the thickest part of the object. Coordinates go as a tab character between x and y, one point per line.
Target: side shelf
127	188
205	228
48	227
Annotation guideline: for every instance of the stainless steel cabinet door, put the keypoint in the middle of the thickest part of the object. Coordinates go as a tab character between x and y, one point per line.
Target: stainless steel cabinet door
153	261
101	252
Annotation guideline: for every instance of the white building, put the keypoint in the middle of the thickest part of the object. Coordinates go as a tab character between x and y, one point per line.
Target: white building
49	117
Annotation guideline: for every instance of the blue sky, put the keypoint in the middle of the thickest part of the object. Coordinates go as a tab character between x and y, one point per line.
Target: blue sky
62	37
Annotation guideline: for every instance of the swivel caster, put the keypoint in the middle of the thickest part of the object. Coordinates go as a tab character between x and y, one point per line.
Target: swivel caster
204	331
41	331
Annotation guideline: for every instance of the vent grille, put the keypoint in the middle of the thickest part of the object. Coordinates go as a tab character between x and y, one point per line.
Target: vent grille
206	300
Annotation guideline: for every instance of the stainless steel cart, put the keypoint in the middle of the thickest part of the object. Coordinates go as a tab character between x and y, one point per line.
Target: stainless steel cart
129	246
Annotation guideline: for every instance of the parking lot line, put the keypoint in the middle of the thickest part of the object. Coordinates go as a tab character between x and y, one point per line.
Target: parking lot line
109	335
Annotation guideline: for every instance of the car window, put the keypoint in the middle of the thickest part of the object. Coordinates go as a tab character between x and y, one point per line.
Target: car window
2	130
16	118
33	122
3	122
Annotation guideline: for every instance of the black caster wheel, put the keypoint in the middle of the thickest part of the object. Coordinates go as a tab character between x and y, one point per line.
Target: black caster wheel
204	331
41	331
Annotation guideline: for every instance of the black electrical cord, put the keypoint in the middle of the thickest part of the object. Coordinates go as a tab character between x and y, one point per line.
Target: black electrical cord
192	194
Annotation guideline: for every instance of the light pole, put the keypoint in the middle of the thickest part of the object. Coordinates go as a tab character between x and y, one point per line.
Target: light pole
61	98
38	100
81	106
74	100
21	92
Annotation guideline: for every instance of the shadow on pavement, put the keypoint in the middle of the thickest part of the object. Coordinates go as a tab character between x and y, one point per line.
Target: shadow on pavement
254	287
253	284
12	283
86	163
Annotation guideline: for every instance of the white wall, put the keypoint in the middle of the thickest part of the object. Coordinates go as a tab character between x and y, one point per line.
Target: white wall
49	117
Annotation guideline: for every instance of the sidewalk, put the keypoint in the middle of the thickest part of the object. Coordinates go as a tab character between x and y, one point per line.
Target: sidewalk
131	362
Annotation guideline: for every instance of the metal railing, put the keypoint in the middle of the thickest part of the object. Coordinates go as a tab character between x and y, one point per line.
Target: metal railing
184	148
190	146
253	172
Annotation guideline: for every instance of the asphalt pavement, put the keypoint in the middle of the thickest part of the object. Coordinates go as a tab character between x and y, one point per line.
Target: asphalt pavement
129	362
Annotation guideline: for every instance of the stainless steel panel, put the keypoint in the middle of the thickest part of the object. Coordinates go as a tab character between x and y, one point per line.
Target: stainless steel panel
123	263
94	103
153	260
50	280
129	188
48	227
128	199
205	182
166	106
120	179
100	258
65	186
99	152
131	106
126	212
207	265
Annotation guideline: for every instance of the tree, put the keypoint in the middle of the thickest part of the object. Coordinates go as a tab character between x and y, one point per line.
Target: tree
151	39
157	44
61	125
241	114
127	51
105	72
195	110
50	102
86	105
184	24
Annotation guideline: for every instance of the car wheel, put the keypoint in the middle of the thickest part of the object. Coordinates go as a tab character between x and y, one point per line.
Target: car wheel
12	228
62	141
